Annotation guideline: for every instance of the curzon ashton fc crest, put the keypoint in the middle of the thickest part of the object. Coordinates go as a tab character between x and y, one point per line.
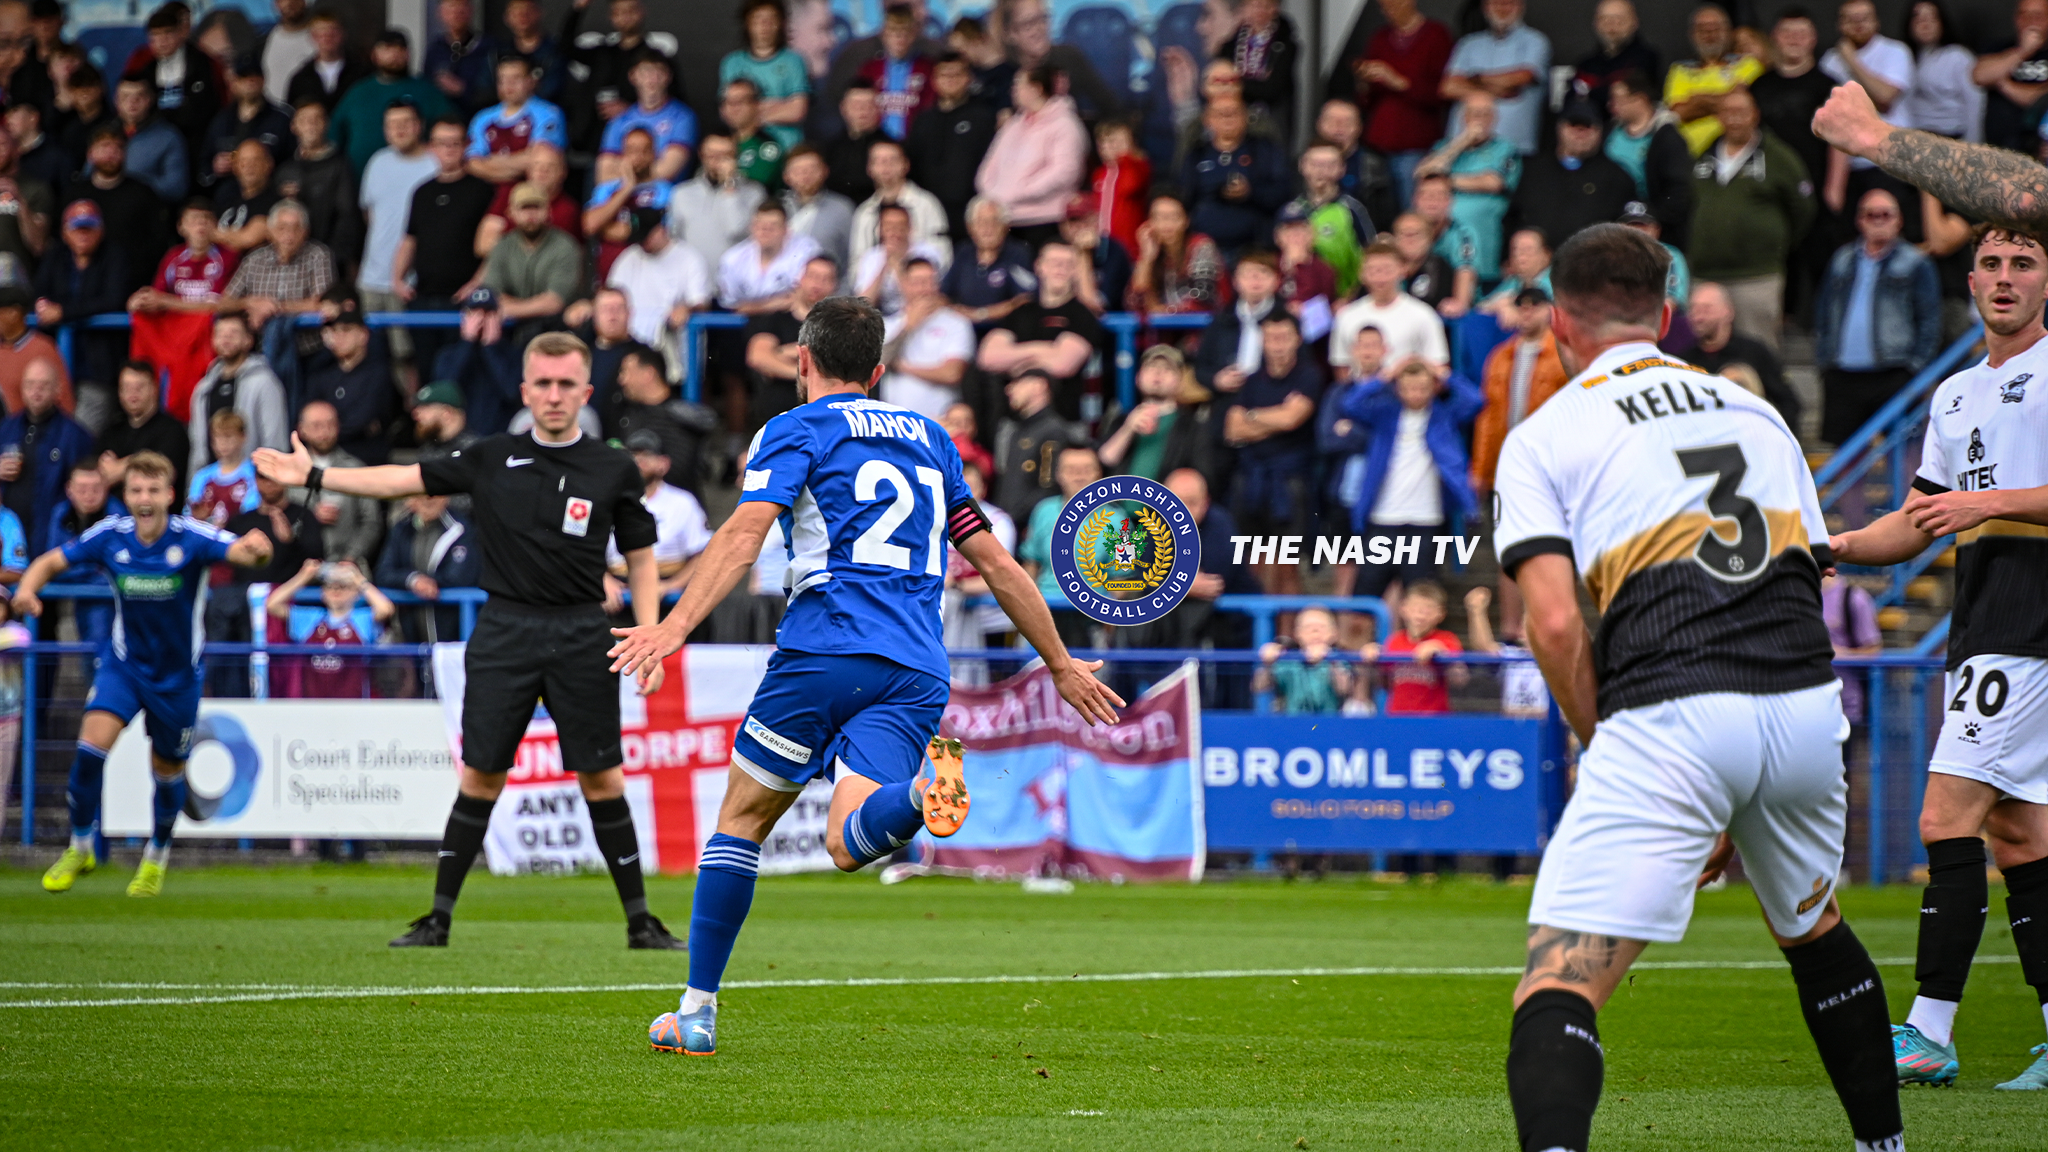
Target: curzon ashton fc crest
1125	550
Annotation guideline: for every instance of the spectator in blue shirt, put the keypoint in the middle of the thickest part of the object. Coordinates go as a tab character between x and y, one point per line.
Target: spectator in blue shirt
502	138
1234	181
1877	320
86	503
459	62
668	120
38	446
156	152
1509	60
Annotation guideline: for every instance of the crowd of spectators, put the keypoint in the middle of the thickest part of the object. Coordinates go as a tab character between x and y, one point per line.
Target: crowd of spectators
1374	268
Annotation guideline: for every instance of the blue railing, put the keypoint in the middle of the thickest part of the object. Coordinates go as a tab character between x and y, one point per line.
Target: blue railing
1887	440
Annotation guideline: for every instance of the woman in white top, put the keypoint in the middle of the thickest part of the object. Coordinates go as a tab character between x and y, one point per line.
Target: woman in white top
1943	100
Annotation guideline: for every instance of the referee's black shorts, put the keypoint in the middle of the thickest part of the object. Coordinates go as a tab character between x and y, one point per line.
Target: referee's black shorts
519	654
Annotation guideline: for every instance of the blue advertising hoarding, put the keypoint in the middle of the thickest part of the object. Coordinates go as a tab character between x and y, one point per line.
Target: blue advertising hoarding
1456	783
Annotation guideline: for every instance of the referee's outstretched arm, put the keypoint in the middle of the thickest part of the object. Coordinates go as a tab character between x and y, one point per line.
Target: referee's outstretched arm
295	470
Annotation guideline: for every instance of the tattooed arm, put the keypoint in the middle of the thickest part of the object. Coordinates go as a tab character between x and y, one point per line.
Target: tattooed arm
1987	183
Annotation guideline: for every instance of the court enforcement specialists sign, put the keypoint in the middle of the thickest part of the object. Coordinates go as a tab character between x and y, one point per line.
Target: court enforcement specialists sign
1125	550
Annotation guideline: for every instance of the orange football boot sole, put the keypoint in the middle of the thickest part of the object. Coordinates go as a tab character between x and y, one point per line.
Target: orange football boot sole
945	798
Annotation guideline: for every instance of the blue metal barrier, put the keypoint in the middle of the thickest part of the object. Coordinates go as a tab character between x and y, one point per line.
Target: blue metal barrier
1886	439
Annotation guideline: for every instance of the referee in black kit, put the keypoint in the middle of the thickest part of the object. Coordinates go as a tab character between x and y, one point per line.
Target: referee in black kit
545	504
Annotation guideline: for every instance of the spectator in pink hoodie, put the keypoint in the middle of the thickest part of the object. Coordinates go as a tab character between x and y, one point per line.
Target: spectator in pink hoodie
1038	158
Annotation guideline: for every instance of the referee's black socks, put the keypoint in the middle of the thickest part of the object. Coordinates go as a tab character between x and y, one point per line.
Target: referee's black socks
612	821
1842	998
460	842
1555	1067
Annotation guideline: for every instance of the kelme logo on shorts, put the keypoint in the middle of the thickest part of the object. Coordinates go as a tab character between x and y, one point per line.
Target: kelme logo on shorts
1125	550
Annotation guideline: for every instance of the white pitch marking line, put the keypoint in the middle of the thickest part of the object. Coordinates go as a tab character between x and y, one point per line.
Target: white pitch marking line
266	993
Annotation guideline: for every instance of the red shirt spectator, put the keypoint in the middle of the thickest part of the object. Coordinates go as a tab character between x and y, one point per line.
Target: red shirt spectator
1418	689
1121	185
1398	79
195	277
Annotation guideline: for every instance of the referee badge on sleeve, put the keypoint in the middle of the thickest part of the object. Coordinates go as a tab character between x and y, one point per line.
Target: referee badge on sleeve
576	517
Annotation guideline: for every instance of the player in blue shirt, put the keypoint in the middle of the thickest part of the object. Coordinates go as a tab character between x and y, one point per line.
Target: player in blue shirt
157	564
867	494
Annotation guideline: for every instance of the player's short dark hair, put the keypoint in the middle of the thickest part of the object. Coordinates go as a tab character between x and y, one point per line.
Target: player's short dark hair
844	334
1610	273
147	463
1999	233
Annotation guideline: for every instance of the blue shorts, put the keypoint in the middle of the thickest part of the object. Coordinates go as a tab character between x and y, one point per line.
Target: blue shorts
816	714
171	714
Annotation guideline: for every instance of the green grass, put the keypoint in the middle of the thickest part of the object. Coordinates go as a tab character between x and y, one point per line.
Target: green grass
1700	1059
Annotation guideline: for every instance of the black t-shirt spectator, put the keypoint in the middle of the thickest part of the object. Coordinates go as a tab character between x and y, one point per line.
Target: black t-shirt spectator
543	513
2009	125
772	396
443	227
287	556
1033	321
1261	390
680	424
945	154
1787	105
1770	374
1432	282
134	222
236	210
162	433
846	165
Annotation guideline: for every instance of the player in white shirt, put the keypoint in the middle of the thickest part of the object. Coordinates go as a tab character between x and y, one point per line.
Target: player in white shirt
926	347
1983	476
1707	702
1411	328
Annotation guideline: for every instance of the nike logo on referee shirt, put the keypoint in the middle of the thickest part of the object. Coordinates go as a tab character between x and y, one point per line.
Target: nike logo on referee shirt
514	461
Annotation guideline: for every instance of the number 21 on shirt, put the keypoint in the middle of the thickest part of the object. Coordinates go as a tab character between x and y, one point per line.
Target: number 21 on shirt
880	480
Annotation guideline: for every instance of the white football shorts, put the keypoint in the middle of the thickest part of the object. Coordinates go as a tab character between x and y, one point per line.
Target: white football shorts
1994	726
1659	784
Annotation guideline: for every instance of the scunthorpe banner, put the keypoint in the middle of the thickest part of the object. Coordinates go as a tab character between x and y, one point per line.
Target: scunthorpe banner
274	768
1054	796
1452	783
677	745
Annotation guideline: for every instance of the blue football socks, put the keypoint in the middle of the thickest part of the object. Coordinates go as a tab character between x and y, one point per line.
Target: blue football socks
170	800
725	891
884	822
82	794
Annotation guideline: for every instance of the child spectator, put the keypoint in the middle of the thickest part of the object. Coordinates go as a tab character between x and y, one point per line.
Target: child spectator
225	488
341	621
14	557
959	423
1311	682
1308	286
1416	475
1421	686
901	75
1120	184
190	278
1522	691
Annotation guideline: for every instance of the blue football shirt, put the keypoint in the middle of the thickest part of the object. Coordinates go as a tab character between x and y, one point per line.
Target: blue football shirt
159	592
866	489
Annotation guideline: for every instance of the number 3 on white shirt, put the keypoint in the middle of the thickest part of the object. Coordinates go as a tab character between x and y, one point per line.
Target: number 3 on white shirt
873	546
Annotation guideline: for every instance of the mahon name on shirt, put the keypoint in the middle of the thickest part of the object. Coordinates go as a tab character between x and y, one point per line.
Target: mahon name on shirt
1661	400
899	425
146	587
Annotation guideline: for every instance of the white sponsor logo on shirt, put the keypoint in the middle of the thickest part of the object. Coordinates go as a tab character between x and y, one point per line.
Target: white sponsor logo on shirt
782	746
757	479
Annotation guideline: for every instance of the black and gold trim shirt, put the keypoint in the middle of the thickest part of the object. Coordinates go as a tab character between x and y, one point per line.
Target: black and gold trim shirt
1687	508
1988	428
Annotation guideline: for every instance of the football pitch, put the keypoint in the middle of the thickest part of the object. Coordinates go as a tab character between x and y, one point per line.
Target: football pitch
261	1009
